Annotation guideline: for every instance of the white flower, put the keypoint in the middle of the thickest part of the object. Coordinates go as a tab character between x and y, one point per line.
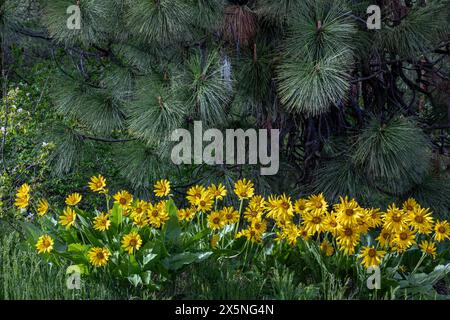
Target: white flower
19	110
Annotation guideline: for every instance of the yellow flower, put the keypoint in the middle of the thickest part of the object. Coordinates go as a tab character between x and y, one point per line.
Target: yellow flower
244	189
442	230
139	208
362	225
44	244
97	184
316	204
218	192
214	241
374	217
314	222
194	193
42	207
99	257
230	215
102	222
162	188
428	247
216	220
140	220
73	199
420	220
327	248
205	202
68	217
251	235
259	225
131	242
186	214
385	238
258	201
23	196
348	212
395	219
123	199
347	239
409	205
371	257
300	206
253	211
157	214
403	240
330	224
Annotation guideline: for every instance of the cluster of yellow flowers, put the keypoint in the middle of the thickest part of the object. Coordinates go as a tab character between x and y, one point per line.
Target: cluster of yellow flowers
340	226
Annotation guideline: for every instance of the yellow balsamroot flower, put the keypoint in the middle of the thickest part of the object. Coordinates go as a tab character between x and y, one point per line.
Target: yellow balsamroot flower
73	199
374	219
251	235
258	201
395	219
292	233
68	217
244	189
316	204
348	239
215	220
230	215
371	257
123	199
385	238
131	242
97	184
253	211
194	193
327	248
409	205
157	214
218	192
428	247
420	220
284	207
348	212
23	196
186	214
205	202
403	240
441	230
214	241
99	257
259	225
300	206
139	208
42	207
102	222
140	220
44	244
331	224
362	225
314	222
161	188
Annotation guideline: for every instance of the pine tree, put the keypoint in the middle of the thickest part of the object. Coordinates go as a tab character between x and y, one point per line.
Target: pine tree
362	112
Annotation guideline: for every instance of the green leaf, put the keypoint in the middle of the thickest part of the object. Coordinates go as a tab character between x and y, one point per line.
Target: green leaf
177	261
135	280
116	216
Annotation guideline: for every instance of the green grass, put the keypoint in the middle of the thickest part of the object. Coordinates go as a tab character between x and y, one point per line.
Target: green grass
24	276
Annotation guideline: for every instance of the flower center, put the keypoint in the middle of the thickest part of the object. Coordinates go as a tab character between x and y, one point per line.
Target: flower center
139	210
349	212
318	205
216	220
403	236
419	219
100	255
123	201
316	220
155	213
372	252
229	216
202	203
441	229
133	242
285	205
348	232
409	208
396	218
